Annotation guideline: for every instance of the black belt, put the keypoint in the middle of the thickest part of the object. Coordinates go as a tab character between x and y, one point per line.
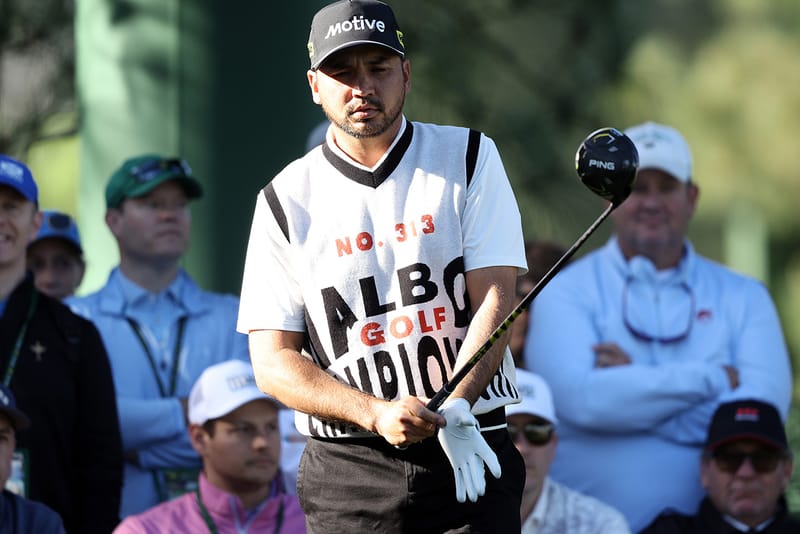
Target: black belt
496	417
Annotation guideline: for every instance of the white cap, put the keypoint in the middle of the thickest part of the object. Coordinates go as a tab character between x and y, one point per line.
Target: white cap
536	397
221	389
663	148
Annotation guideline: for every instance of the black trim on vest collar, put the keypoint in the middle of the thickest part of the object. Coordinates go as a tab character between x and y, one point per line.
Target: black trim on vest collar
376	178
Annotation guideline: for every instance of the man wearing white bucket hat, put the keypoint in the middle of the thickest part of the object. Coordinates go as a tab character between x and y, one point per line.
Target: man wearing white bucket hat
233	426
547	506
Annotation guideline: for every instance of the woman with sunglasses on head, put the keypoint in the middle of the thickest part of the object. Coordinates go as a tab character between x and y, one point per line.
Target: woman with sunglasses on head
641	339
55	256
547	506
745	468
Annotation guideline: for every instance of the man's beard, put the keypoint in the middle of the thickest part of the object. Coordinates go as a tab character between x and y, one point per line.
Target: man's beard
372	128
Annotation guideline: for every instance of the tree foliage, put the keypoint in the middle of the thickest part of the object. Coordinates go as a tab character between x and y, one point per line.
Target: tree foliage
37	65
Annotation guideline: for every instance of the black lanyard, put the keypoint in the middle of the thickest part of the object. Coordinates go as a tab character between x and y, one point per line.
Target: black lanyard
12	360
173	379
212	528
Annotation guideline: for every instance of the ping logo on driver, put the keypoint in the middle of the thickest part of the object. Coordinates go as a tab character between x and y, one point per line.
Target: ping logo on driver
608	165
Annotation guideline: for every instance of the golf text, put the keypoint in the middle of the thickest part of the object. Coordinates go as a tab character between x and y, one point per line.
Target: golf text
417	286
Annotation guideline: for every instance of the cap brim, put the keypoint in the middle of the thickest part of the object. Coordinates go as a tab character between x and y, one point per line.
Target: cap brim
18	419
317	64
759	438
190	186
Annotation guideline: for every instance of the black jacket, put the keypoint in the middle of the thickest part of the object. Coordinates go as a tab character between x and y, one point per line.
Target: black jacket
62	381
708	520
22	516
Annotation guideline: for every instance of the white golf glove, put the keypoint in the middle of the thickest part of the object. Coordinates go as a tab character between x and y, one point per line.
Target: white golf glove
466	449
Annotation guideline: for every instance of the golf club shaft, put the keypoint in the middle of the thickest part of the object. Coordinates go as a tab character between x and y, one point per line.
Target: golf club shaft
450	386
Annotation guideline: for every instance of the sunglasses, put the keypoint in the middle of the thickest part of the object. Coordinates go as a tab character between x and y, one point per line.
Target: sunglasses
58	221
151	169
535	434
763	461
641	335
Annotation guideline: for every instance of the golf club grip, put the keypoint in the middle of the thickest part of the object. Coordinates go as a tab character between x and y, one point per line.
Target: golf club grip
448	388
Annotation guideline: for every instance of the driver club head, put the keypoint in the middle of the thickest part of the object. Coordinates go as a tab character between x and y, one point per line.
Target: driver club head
607	162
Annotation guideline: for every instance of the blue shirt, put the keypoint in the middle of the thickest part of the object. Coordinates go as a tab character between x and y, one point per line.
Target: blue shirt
152	423
631	435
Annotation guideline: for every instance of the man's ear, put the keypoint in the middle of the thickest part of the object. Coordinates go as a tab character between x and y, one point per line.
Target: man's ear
199	439
312	84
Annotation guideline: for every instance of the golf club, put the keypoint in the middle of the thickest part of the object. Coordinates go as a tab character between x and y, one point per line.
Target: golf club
606	162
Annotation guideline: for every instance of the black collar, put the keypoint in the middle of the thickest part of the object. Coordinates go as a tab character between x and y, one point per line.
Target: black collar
376	178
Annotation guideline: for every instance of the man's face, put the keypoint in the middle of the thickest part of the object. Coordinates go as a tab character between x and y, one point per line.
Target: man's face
57	267
537	457
19	224
8	443
243	454
741	490
654	219
362	89
154	227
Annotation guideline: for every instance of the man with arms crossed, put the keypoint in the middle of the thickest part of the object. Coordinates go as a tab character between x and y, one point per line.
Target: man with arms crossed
390	254
643	338
161	329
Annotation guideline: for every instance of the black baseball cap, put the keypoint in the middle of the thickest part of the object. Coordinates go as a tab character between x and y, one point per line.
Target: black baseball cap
8	407
746	419
350	23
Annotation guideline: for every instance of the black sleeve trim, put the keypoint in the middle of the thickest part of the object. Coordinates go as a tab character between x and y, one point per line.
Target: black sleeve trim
473	144
276	208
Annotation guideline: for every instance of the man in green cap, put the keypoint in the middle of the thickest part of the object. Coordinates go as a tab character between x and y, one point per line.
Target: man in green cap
161	330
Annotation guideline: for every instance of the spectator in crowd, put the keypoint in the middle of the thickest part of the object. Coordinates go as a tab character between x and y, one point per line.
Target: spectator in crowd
541	256
56	257
19	515
642	339
234	428
745	468
56	364
160	328
547	506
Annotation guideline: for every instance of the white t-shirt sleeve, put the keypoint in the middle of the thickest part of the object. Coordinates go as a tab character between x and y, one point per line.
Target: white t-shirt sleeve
270	296
491	223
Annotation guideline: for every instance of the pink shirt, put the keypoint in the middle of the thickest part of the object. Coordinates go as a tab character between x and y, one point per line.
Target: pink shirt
183	515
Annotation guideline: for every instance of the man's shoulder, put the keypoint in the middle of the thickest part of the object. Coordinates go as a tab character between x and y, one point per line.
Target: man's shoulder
177	515
707	266
214	300
671	521
32	516
72	324
588	505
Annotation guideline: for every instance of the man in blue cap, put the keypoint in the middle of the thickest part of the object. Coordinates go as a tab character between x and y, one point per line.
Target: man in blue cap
56	257
56	365
161	329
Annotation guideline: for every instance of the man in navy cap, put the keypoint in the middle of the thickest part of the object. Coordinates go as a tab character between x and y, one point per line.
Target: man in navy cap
57	367
745	468
19	515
